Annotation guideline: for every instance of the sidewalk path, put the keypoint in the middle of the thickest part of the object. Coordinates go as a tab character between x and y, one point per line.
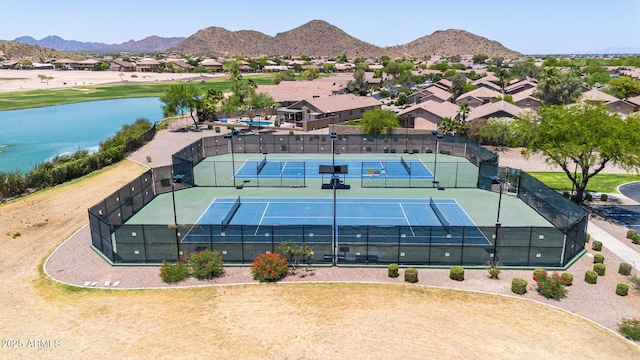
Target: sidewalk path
624	252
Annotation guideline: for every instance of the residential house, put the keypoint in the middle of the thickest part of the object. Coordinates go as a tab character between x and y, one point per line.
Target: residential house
519	86
147	65
321	112
496	109
526	100
427	115
66	64
120	65
88	64
434	93
289	92
484	82
614	104
478	96
211	65
635	101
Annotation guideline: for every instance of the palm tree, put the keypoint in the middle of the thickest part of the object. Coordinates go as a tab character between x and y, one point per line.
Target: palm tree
463	111
448	125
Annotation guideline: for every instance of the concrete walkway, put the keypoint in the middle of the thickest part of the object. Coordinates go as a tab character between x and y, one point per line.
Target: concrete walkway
625	253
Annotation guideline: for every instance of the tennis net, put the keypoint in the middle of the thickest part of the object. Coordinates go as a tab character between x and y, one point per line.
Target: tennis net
439	214
262	164
232	211
406	166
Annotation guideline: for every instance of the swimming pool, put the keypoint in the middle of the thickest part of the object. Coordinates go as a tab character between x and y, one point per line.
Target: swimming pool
256	123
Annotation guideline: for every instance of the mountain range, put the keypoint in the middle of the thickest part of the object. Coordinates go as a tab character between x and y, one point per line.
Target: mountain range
315	38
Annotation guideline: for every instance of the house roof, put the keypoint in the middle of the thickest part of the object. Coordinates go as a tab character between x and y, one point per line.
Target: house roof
482	93
634	100
597	95
435	91
337	103
148	62
519	96
121	63
441	110
486	83
210	62
520	84
488	110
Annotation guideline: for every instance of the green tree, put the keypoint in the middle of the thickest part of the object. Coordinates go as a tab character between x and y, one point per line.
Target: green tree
525	69
402	99
180	97
625	86
310	74
559	88
449	73
463	111
584	134
342	58
287	75
260	102
392	69
503	78
208	105
454	126
329	67
359	84
458	84
377	120
479	58
598	78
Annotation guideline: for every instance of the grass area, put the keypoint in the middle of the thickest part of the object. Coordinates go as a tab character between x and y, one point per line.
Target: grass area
601	183
39	98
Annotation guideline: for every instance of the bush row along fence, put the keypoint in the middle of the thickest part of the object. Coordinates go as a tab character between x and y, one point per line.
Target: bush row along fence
517	246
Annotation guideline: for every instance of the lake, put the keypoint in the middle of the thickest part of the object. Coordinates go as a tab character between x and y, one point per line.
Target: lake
30	136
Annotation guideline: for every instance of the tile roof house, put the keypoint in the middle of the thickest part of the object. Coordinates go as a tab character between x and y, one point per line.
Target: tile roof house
427	115
478	96
211	64
635	101
120	65
147	65
67	64
497	109
320	112
484	82
289	92
87	64
434	93
519	86
526	100
614	104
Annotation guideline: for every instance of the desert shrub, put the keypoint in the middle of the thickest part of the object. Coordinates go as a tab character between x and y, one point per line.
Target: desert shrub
596	245
551	286
568	279
635	281
519	286
494	268
456	273
630	328
587	237
217	129
538	271
622	289
206	264
604	197
269	267
393	270
173	273
636	239
625	269
631	234
599	269
591	277
411	275
598	258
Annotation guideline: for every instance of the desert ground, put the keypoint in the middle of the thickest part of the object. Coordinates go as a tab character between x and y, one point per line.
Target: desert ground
355	314
23	80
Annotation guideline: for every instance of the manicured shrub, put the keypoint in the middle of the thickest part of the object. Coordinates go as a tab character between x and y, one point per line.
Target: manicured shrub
591	277
599	269
568	279
494	268
596	245
631	234
551	286
173	273
217	129
456	273
587	237
588	197
411	275
206	264
538	271
598	258
625	269
519	286
393	270
636	239
290	132
622	289
604	197
269	267
630	328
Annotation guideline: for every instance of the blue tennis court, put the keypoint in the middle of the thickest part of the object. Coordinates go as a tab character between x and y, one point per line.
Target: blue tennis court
293	168
444	214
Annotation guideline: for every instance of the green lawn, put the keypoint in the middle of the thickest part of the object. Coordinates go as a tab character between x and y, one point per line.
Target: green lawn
38	98
602	183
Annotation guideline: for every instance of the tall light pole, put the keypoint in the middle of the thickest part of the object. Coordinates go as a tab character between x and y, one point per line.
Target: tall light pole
438	136
233	161
497	180
406	133
334	181
175	217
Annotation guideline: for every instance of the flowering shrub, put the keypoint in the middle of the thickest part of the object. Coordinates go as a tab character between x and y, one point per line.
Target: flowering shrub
269	267
630	328
206	264
173	273
551	286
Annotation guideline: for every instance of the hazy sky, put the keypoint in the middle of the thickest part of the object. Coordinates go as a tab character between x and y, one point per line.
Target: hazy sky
527	26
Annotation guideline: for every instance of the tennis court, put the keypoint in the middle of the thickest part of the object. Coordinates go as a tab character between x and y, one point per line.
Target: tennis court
294	168
414	215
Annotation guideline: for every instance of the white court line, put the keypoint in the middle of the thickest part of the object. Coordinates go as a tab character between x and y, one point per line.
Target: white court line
283	167
407	219
198	221
261	219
